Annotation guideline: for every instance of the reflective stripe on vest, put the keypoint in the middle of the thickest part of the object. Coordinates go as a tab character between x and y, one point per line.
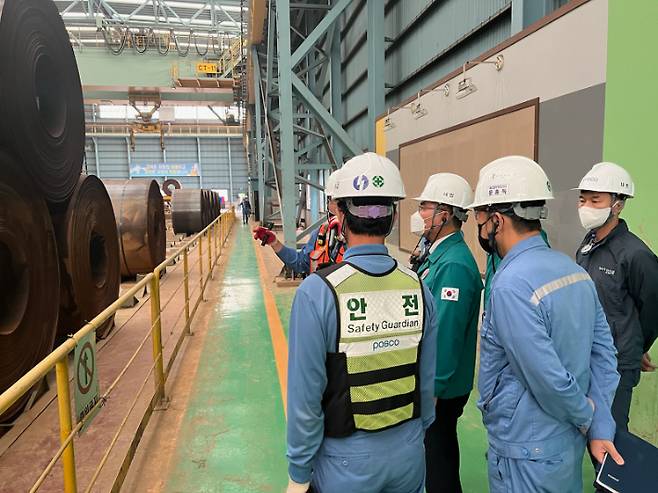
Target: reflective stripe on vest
373	376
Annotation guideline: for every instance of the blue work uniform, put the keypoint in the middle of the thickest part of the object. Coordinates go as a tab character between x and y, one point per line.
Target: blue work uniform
545	348
391	460
299	260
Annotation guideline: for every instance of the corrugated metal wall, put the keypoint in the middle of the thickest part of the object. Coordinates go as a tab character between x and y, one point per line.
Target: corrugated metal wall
109	157
431	39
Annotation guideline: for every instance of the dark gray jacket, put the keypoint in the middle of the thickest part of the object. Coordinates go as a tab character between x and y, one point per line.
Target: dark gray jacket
625	272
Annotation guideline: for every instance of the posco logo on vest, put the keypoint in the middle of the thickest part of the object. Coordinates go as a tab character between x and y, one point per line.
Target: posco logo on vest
361	182
385	344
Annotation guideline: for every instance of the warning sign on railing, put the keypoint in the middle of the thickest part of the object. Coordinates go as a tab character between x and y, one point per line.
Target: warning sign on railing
87	389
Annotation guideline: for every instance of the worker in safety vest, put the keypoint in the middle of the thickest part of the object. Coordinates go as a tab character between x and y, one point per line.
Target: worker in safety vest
325	246
449	270
362	353
548	370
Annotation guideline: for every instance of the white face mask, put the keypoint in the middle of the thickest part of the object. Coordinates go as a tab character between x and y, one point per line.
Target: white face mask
592	218
417	224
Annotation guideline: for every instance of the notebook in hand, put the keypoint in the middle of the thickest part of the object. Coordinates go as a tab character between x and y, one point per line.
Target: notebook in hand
640	470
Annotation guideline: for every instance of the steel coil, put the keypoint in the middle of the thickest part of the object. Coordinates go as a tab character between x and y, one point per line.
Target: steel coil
187	211
139	212
41	97
216	206
206	208
88	246
169	185
29	271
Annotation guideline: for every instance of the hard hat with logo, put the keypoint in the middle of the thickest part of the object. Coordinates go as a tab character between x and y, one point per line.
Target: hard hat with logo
608	177
330	185
447	188
513	180
369	175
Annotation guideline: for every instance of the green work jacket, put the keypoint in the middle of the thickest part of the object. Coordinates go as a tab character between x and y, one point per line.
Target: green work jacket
452	275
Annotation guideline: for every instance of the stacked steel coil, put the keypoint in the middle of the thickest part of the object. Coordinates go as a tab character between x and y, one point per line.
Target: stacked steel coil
169	185
29	269
41	104
139	213
194	209
89	252
41	154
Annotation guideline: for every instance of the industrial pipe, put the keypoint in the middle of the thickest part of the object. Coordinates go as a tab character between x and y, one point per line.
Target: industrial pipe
40	96
88	246
139	212
29	274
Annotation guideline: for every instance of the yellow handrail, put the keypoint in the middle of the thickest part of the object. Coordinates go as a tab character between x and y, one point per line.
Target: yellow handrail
58	358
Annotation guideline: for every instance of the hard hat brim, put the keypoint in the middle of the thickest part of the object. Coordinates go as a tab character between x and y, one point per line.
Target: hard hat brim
476	205
601	190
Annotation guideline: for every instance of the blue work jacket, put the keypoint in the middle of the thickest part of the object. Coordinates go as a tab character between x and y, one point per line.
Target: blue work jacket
545	348
299	260
312	335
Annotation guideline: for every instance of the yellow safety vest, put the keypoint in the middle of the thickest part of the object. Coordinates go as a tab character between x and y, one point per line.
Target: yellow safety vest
373	377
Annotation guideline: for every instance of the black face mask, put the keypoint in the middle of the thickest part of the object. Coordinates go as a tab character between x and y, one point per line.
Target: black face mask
484	242
488	244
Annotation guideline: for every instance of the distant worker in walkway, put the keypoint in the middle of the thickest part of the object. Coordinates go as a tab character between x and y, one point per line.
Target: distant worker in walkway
362	353
625	272
246	210
325	246
548	370
451	273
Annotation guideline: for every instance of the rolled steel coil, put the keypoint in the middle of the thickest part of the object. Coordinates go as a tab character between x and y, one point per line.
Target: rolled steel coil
29	271
187	211
216	206
41	96
207	214
88	246
169	185
139	212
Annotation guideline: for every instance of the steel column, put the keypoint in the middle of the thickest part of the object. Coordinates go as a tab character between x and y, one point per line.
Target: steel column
376	51
230	169
198	158
260	152
287	156
336	85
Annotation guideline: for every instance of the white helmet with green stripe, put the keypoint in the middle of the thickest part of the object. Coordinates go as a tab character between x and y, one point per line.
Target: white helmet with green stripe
369	175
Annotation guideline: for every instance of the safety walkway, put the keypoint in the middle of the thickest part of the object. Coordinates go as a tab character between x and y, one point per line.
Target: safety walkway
225	429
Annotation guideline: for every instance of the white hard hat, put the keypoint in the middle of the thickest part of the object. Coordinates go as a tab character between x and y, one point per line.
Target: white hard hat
511	179
369	175
447	188
330	185
608	177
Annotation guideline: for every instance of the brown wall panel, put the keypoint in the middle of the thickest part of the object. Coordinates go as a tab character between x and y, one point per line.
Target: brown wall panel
464	150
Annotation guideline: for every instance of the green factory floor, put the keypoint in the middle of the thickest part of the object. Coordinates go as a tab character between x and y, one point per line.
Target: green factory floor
232	438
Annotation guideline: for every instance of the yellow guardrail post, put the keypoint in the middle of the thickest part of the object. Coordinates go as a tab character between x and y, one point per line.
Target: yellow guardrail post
65	423
210	251
186	280
218	235
156	335
201	265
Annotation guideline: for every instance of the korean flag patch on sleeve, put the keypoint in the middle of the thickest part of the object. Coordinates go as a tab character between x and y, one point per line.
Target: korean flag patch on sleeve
450	294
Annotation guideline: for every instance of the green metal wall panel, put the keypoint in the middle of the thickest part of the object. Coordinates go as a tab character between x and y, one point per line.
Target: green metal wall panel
630	140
